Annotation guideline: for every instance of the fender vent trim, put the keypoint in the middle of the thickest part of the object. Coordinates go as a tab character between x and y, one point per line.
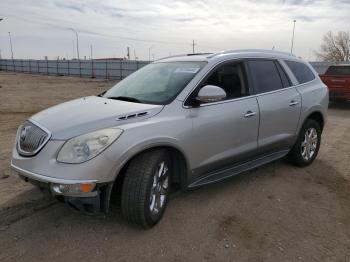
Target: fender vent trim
131	116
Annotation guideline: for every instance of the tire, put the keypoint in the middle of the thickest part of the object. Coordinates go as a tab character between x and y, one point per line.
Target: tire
305	150
146	188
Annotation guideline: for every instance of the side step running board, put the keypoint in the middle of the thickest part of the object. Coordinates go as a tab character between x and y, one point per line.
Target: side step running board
235	170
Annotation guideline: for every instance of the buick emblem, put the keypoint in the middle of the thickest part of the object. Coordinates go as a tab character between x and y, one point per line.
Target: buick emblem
23	133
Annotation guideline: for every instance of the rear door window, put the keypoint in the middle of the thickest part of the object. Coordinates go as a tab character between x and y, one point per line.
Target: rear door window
265	75
301	71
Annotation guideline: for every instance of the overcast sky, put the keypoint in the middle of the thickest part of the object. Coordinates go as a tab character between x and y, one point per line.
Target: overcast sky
40	27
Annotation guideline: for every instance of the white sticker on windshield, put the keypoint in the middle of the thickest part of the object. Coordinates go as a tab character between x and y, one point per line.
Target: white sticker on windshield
190	70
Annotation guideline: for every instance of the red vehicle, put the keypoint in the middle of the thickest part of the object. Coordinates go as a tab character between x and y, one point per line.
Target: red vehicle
337	78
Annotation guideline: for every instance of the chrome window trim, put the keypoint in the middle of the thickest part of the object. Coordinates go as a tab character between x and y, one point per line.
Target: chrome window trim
275	91
228	101
306	83
294	83
246	97
25	153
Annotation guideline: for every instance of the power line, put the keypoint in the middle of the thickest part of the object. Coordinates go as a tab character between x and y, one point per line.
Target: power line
139	39
136	39
120	37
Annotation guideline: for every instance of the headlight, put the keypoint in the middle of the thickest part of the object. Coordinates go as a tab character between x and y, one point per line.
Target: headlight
82	148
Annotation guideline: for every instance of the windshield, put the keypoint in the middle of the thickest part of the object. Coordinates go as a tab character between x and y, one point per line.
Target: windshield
338	70
157	83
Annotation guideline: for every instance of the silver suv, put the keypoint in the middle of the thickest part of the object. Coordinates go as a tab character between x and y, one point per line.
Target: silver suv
186	120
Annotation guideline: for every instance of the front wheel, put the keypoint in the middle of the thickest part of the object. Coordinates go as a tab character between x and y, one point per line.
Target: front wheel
146	187
307	146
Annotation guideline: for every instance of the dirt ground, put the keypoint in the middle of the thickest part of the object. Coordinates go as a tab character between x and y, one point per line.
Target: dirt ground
275	213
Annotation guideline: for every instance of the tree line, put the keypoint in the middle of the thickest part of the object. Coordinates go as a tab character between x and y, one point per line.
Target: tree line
335	48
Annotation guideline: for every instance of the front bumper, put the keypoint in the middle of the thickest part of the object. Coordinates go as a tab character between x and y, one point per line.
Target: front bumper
47	179
45	165
94	202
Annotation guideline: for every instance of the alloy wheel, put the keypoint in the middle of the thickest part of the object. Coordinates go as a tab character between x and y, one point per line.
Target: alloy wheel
159	190
309	144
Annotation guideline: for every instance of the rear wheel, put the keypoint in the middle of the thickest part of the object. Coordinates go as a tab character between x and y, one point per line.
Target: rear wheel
146	186
306	147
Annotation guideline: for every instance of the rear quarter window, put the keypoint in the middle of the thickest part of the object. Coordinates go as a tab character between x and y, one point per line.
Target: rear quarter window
301	71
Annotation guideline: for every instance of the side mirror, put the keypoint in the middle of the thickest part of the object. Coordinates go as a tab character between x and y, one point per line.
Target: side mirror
209	94
101	94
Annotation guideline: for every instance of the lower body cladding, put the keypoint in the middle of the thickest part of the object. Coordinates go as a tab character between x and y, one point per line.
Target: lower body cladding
89	197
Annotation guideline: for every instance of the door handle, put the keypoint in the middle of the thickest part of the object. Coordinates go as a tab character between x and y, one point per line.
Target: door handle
249	114
293	103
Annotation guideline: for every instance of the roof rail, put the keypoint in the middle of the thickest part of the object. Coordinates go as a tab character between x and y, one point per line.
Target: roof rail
251	51
199	54
192	54
211	55
171	56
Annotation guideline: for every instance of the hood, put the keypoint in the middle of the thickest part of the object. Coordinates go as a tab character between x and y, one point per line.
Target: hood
91	113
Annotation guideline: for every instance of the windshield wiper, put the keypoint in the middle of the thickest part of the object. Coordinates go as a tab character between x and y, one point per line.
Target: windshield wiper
125	98
101	94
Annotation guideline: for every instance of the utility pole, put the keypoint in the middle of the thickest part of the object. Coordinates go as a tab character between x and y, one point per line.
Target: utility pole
128	53
291	49
76	34
11	45
193	44
90	51
135	54
73	48
0	49
149	53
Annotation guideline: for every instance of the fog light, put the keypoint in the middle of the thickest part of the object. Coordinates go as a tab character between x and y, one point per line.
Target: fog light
73	188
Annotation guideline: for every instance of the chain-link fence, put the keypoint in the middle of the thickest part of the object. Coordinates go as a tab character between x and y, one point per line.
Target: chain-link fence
108	69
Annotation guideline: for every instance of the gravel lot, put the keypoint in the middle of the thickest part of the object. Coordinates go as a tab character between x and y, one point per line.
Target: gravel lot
275	213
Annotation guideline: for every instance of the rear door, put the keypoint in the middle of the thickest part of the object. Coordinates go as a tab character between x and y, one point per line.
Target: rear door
279	105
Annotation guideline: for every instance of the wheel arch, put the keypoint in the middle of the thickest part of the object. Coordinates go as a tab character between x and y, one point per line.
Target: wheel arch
178	158
317	113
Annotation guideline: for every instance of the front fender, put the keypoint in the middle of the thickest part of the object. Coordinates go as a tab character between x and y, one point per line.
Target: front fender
146	145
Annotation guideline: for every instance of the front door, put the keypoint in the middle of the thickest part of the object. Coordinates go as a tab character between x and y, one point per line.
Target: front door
225	132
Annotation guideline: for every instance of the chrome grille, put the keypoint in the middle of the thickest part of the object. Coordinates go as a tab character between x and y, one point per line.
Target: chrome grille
31	139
